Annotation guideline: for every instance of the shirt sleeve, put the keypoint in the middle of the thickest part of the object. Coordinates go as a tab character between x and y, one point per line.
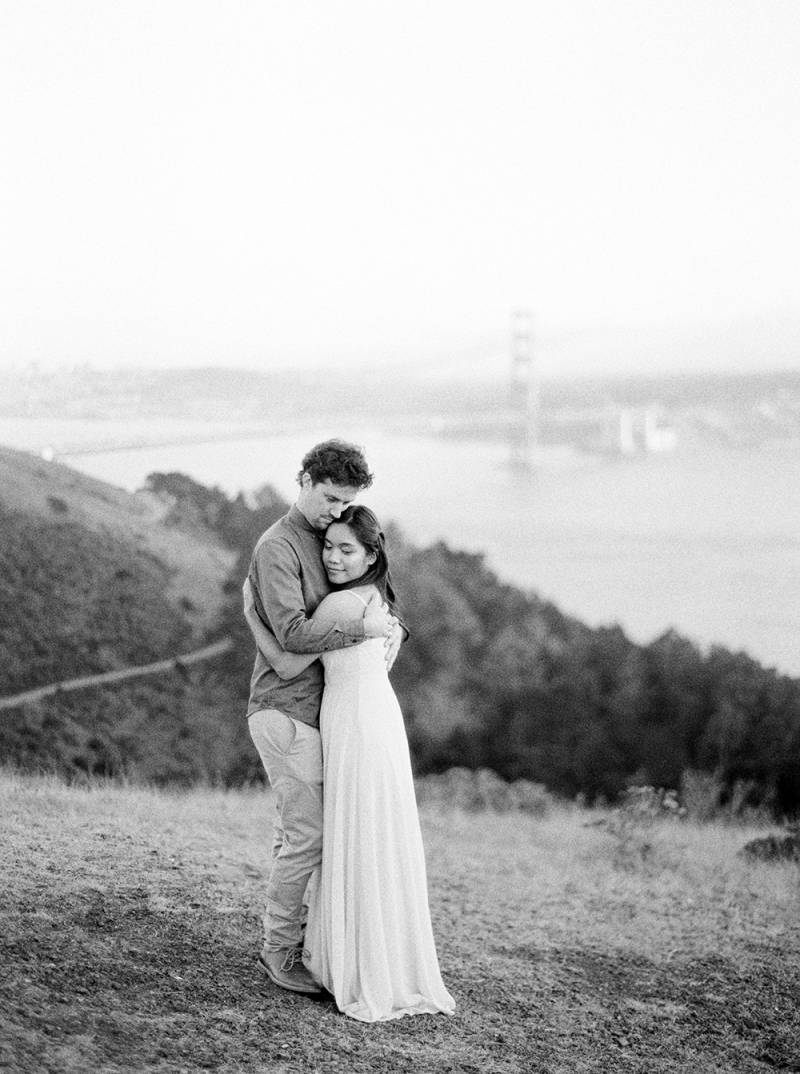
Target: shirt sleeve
278	593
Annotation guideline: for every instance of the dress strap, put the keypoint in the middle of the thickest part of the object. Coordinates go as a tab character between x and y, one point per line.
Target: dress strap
359	597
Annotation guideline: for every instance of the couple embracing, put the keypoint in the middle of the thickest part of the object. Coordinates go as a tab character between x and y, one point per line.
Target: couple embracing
346	903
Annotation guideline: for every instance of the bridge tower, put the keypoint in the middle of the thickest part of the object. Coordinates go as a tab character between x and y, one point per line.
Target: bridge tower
524	401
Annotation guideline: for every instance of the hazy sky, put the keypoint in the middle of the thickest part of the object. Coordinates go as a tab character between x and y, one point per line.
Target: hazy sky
256	182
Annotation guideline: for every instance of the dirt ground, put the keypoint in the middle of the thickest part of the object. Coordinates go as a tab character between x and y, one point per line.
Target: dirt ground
130	931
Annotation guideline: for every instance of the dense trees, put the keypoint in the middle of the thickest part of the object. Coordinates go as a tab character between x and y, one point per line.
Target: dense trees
491	677
495	677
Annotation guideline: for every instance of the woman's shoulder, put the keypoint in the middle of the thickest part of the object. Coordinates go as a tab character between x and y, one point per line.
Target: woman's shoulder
346	601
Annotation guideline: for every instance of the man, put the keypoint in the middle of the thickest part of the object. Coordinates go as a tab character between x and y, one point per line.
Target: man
285	584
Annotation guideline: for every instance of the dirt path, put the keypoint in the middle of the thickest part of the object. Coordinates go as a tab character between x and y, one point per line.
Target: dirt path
174	663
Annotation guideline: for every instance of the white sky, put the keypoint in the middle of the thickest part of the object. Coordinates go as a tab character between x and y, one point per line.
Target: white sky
253	182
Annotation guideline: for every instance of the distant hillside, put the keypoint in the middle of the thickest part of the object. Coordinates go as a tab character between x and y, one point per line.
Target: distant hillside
193	561
94	579
394	395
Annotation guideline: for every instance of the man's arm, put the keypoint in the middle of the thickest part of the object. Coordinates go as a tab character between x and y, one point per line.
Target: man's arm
289	665
395	639
286	665
280	604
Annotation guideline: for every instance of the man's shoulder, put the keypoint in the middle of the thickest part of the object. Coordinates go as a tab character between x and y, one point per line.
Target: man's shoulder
282	535
277	529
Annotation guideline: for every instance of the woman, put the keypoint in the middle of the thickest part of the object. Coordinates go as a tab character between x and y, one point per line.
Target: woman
369	933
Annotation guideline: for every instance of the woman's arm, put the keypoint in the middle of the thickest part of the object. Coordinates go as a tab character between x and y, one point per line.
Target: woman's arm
377	618
286	665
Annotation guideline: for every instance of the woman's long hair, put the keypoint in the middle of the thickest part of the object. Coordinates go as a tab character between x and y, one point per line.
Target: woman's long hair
368	532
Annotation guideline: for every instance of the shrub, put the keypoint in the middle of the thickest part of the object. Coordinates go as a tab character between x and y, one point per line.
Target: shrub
701	794
482	790
633	819
774	847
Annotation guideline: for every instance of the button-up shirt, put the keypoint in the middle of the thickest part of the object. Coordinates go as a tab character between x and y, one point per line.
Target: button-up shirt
289	582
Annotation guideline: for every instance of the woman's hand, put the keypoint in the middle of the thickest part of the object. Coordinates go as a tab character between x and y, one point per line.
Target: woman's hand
247	596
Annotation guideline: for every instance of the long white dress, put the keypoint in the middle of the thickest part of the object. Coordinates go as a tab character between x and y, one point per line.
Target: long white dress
369	932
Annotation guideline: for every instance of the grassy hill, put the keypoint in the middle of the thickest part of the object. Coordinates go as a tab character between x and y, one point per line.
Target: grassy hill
93	579
48	496
130	926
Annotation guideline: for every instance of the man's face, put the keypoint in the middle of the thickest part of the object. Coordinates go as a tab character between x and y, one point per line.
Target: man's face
324	502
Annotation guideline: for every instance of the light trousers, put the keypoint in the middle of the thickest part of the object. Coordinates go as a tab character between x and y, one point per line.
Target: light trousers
291	753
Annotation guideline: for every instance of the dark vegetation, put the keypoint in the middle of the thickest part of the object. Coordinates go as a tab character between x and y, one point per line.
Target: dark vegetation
492	677
72	603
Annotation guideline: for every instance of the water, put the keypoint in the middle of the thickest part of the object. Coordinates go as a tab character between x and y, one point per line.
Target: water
704	541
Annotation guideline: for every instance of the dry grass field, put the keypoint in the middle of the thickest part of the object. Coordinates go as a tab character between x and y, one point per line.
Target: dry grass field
130	929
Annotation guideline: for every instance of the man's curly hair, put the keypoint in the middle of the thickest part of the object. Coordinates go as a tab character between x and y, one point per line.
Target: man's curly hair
338	462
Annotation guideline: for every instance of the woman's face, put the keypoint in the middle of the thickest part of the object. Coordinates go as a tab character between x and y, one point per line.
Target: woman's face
343	555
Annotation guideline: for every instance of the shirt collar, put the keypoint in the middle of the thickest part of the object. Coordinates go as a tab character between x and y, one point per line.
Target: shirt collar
300	522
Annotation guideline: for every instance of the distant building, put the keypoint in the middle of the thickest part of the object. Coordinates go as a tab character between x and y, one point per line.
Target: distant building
644	430
659	434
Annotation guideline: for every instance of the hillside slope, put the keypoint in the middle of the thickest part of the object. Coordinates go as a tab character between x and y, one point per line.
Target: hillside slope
94	580
195	561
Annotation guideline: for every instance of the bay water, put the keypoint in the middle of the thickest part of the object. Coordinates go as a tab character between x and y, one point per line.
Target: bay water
704	540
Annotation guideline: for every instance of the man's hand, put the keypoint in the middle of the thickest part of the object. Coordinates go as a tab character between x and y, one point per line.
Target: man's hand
247	596
394	640
377	620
